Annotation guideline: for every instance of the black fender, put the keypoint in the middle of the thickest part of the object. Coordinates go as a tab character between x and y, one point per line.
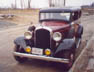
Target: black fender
79	31
20	41
71	33
66	44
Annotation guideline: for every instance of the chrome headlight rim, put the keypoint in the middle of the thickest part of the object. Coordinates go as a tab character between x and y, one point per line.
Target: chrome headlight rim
55	38
28	35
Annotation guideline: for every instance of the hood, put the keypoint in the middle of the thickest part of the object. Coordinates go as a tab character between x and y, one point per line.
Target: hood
53	26
56	25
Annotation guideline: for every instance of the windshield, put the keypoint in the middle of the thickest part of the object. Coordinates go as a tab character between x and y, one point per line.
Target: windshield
55	16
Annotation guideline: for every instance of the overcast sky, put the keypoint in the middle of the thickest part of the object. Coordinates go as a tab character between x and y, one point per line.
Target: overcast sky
43	3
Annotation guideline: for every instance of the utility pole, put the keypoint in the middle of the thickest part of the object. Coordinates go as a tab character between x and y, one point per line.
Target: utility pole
64	2
57	3
50	3
15	4
29	4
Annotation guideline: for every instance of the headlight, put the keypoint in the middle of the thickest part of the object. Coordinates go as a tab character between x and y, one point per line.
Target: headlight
28	35
57	36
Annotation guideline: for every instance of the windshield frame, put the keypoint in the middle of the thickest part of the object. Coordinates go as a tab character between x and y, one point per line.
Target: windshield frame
55	19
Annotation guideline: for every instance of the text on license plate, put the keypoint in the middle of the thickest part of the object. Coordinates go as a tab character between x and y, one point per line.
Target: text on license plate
37	51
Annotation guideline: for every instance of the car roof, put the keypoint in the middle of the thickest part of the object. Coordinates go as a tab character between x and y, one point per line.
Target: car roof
64	9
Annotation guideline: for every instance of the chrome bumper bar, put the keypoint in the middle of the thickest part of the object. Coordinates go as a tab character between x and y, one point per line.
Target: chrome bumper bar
61	60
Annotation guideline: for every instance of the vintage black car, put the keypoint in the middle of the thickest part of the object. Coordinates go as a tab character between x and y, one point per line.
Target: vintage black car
55	38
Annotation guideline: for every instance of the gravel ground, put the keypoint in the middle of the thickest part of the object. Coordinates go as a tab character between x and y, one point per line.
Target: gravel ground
7	62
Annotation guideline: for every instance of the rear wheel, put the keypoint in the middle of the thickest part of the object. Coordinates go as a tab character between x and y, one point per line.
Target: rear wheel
21	50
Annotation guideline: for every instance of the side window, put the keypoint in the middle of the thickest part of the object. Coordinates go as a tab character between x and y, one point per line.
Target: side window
75	16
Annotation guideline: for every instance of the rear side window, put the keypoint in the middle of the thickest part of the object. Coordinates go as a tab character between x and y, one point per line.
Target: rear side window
75	15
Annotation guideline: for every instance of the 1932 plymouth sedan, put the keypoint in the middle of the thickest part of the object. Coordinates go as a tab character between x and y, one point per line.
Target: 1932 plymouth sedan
55	38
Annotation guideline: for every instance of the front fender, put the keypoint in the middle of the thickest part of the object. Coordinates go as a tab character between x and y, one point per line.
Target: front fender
20	41
66	44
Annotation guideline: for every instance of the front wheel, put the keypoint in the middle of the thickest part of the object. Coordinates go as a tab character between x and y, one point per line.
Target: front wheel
71	60
21	50
71	57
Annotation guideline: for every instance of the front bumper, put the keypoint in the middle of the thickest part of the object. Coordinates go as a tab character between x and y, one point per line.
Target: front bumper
61	60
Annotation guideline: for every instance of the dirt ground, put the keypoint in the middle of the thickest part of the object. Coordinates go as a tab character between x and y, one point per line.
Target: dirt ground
21	16
16	27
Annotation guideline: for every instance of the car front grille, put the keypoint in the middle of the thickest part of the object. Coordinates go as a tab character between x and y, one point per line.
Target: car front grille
42	38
